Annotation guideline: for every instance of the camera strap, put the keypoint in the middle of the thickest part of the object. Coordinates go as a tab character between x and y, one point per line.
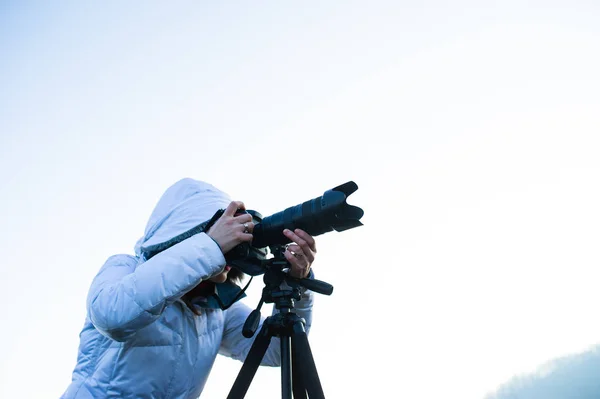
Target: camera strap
150	251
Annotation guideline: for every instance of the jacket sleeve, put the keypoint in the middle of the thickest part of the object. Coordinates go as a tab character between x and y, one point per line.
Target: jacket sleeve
125	296
236	346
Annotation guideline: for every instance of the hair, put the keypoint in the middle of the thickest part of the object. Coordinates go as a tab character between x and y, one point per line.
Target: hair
235	275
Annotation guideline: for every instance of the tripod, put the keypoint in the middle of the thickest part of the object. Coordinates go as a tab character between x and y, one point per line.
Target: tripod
299	375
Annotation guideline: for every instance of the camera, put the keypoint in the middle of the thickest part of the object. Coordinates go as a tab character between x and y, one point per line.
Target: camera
317	216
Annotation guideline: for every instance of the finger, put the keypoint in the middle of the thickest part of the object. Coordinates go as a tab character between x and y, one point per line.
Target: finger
246	237
293	236
298	240
310	241
233	207
243	218
295	259
290	258
298	267
297	251
247	227
244	233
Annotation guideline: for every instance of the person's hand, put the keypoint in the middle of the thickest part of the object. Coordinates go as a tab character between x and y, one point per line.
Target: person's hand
301	253
229	230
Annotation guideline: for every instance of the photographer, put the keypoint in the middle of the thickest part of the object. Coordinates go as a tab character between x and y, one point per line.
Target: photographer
153	328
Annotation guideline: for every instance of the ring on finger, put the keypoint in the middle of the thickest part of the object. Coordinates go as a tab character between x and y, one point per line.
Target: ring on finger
245	227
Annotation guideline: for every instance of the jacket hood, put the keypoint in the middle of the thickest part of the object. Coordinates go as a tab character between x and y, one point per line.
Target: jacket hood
183	206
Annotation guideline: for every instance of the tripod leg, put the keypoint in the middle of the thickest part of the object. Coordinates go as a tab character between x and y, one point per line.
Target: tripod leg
306	362
286	373
298	383
255	356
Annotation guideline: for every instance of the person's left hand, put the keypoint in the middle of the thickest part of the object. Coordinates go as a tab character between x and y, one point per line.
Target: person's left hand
300	253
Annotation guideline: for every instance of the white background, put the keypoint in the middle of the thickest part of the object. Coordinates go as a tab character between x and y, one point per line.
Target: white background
472	130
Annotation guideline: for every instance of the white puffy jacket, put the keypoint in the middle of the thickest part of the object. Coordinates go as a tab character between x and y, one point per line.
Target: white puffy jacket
139	339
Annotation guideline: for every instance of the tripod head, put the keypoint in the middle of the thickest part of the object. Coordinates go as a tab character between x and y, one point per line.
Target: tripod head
282	298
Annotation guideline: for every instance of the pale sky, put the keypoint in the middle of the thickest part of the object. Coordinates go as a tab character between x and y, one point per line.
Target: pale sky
472	130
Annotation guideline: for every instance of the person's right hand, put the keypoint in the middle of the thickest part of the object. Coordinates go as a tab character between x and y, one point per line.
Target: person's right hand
229	230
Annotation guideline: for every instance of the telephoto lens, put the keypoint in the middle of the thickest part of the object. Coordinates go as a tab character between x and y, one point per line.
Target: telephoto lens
317	216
